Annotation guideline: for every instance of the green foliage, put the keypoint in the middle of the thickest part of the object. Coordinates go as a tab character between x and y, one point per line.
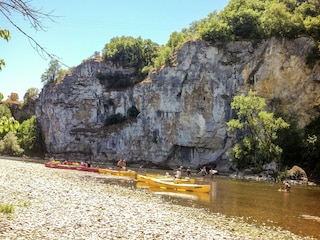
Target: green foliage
164	58
133	112
5	111
313	56
5	34
242	17
31	95
257	131
131	52
261	19
1	97
8	125
311	154
177	39
166	53
9	145
212	28
6	208
28	134
115	119
54	73
247	19
116	80
291	141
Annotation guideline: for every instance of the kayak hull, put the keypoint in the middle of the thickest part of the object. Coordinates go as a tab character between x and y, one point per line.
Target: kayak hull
175	186
118	172
71	167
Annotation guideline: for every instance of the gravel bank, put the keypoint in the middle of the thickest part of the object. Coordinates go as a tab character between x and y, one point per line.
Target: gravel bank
64	204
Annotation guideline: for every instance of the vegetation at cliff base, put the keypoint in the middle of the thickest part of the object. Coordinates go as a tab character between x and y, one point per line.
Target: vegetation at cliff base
256	131
23	136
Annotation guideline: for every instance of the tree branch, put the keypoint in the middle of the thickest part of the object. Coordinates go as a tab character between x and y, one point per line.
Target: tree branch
34	17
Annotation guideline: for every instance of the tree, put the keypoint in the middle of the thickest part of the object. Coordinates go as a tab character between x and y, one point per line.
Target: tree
54	73
31	95
8	124
5	111
131	52
256	130
28	134
9	145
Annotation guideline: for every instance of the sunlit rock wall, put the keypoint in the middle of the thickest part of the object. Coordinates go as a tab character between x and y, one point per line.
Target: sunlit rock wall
183	108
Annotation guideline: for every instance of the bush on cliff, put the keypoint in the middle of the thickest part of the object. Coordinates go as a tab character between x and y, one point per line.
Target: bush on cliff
115	119
131	52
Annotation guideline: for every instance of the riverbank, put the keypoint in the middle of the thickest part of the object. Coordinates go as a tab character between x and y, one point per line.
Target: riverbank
64	204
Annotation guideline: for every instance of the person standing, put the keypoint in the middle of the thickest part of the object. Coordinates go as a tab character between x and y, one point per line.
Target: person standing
203	171
188	172
211	173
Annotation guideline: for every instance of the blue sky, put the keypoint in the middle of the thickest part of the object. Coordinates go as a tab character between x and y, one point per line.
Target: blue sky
83	27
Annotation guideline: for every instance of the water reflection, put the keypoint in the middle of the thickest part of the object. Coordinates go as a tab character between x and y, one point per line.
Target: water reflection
260	203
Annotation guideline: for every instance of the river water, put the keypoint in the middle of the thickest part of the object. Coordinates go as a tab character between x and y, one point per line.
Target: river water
256	202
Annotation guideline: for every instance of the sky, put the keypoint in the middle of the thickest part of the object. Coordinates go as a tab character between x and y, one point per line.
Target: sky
83	27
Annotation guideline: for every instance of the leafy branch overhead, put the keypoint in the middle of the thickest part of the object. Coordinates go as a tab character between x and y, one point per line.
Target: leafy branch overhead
34	16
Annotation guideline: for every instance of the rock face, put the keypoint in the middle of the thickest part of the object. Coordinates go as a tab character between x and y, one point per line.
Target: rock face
297	173
183	108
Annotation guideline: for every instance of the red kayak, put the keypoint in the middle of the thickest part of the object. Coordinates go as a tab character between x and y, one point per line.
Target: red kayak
71	167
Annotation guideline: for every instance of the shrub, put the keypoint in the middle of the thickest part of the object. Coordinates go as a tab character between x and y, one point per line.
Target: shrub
115	119
9	145
116	80
133	112
313	56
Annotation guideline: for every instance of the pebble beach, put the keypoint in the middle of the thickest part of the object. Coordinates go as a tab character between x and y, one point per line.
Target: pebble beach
66	204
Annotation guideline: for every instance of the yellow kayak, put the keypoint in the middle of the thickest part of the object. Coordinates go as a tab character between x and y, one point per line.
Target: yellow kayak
180	186
143	178
176	186
199	196
171	179
118	172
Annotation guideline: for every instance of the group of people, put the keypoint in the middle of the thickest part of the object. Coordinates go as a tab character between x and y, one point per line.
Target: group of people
65	162
203	172
121	165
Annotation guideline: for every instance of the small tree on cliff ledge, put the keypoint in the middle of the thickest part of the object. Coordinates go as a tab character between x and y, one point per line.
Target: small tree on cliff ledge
256	130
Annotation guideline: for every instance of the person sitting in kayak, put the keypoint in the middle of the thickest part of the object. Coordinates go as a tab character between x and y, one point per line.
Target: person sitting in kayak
83	164
124	165
178	173
119	164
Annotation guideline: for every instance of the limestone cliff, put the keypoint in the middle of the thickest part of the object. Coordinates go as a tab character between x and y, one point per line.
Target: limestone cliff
183	108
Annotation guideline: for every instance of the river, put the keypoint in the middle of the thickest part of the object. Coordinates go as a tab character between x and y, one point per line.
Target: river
256	202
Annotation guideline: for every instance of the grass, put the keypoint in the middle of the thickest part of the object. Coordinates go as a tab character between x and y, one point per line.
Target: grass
6	208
